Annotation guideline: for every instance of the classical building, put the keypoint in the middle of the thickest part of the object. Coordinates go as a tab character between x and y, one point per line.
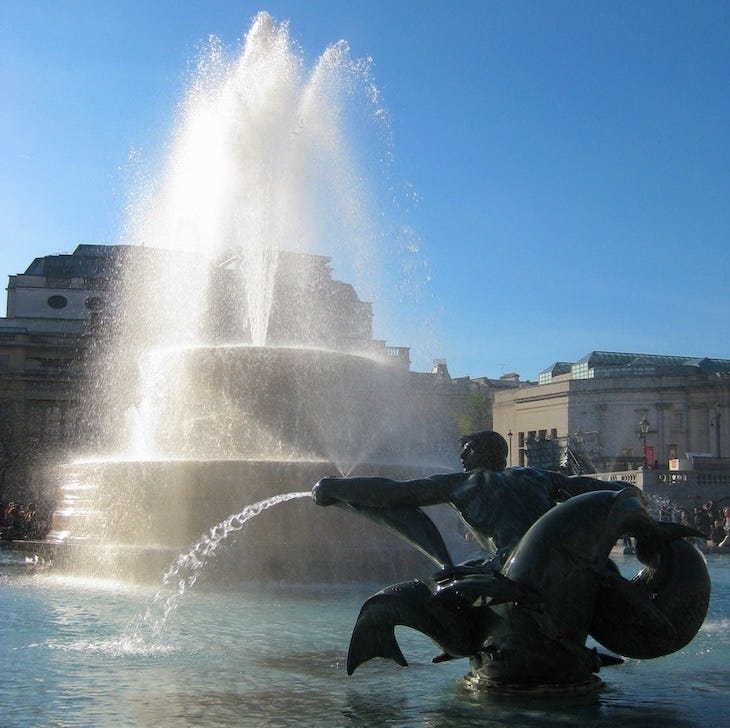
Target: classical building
49	308
618	412
60	309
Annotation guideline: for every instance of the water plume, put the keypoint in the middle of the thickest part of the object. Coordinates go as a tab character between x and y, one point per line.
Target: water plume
260	160
230	359
182	574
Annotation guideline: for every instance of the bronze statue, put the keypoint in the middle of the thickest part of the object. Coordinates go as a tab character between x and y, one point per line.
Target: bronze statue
522	617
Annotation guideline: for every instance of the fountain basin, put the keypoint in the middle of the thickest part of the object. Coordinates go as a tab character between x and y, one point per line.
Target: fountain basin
159	508
248	402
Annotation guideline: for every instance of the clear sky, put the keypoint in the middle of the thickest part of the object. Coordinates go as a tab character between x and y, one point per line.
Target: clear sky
571	160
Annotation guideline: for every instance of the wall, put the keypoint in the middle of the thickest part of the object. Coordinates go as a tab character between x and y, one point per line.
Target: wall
680	410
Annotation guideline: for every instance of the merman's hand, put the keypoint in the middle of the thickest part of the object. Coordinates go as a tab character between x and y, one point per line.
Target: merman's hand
323	492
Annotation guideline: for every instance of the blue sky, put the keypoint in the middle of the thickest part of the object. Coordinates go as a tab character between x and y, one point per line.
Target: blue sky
571	160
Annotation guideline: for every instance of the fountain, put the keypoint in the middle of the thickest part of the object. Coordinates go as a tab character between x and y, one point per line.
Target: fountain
233	366
264	654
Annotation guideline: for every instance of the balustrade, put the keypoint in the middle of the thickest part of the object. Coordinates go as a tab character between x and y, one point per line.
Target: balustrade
683	486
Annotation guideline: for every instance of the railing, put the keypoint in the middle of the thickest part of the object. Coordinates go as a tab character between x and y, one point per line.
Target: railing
681	485
626	476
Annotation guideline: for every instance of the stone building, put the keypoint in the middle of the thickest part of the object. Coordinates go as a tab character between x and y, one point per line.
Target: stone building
62	308
49	308
618	412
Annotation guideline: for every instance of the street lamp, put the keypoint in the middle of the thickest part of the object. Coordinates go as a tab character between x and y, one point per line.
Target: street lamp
509	434
644	426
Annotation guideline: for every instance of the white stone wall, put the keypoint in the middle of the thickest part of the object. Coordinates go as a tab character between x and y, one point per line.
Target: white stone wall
680	411
29	296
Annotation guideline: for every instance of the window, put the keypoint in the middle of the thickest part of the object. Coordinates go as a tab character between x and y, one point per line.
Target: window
57	301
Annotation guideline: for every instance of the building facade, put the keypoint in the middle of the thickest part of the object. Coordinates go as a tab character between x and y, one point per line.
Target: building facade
50	308
614	411
61	310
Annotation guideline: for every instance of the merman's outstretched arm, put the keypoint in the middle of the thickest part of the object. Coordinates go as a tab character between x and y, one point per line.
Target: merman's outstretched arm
378	492
395	505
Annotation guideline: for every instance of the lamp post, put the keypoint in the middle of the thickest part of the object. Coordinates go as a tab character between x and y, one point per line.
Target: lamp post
644	427
509	434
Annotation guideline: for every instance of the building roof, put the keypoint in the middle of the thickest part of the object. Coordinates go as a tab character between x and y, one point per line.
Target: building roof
560	367
616	358
87	261
614	363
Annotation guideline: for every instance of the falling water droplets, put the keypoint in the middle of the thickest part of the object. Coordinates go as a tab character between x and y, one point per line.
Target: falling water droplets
185	570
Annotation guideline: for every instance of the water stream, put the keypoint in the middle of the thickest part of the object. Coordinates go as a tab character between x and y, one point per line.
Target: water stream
182	574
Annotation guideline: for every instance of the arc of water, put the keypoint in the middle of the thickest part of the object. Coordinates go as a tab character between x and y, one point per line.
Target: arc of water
185	570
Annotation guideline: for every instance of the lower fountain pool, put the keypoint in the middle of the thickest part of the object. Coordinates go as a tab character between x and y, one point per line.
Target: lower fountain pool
79	652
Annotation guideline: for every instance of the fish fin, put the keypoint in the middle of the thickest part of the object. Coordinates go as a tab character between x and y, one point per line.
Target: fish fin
368	642
412	604
601	659
672	531
374	632
413	525
607	660
649	542
443	657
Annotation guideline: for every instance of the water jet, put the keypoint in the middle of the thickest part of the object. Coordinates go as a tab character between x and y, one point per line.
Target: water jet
230	364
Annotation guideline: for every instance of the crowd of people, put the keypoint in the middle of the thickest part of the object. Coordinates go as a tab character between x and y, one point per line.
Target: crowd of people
22	522
711	520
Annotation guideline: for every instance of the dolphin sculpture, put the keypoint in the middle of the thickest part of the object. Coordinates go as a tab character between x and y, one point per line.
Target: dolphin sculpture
524	623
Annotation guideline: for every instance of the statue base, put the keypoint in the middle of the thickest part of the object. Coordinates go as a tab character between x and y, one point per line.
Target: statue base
581	692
